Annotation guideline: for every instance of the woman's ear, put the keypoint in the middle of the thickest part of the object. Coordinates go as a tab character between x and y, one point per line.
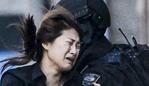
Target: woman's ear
45	45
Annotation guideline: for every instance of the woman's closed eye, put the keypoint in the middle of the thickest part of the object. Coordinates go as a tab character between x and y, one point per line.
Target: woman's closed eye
69	43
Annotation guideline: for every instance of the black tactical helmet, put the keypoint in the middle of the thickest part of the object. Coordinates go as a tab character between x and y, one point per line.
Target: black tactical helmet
92	15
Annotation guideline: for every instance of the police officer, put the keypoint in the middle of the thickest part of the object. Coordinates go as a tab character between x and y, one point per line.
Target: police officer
100	61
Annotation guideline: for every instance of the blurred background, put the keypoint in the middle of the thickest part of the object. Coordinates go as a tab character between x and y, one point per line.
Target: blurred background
11	13
130	15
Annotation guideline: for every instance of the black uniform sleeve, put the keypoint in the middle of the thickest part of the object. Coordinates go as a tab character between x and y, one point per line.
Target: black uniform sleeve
10	80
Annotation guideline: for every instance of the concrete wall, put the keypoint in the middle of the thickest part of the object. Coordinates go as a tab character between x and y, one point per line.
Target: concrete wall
147	19
132	17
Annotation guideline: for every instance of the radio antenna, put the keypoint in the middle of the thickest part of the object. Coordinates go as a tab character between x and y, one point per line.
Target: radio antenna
134	40
125	36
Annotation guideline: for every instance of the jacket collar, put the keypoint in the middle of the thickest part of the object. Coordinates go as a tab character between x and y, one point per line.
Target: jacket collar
37	73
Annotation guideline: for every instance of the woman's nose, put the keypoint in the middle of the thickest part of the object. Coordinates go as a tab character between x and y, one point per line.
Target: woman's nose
73	50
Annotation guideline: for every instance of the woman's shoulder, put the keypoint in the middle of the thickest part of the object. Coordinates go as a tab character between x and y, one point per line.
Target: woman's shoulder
19	70
17	75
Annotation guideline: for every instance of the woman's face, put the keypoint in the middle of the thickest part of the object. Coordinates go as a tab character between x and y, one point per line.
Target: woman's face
63	52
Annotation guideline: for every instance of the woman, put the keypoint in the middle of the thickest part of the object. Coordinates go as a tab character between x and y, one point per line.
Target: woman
55	49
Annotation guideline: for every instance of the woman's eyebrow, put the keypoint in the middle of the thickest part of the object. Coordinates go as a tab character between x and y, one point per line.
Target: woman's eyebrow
74	40
71	39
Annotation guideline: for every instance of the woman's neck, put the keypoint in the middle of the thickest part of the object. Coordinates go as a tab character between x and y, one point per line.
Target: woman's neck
53	75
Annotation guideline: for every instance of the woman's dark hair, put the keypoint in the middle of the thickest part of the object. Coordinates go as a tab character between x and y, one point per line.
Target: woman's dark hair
52	25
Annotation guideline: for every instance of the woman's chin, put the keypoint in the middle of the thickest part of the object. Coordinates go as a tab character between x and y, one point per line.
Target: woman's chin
67	67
